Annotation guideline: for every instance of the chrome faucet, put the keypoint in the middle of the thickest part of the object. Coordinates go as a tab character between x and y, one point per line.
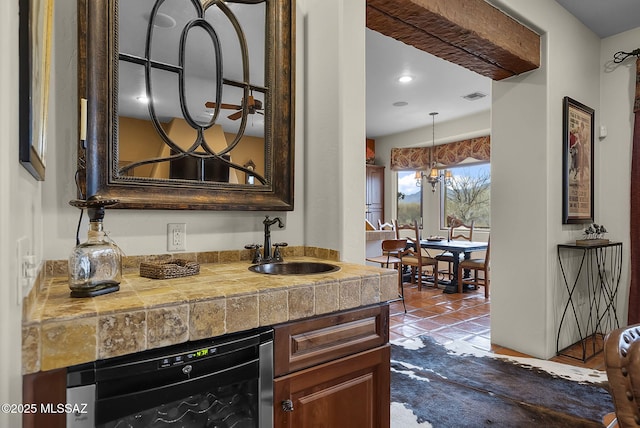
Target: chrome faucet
266	255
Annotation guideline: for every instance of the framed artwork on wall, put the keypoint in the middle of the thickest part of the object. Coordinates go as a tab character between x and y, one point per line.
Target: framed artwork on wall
35	30
577	162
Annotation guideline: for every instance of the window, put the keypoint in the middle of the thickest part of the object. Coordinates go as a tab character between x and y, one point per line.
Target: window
409	198
468	195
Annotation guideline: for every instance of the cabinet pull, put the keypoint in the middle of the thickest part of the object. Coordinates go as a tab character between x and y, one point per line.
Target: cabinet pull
287	406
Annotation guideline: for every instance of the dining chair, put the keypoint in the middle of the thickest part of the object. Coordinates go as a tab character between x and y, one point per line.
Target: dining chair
457	230
476	266
392	253
415	257
622	364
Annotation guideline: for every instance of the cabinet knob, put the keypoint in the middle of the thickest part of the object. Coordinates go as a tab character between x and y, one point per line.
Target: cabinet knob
287	406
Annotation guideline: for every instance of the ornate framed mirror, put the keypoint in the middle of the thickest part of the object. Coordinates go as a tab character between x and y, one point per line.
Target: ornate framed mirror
180	96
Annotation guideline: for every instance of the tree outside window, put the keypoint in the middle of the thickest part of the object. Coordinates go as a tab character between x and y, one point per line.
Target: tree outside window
409	198
467	196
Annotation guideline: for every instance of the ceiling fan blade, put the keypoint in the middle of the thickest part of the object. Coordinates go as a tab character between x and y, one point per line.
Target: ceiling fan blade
235	116
210	104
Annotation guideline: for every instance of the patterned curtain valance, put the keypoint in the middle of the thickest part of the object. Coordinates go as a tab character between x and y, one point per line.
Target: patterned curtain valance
445	155
410	158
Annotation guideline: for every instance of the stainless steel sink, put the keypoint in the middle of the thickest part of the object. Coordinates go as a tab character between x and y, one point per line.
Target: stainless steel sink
294	268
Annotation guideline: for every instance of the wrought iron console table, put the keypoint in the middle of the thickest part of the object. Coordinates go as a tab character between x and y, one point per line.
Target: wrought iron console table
600	267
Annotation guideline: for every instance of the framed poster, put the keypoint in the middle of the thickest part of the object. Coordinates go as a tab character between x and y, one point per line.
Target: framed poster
577	162
35	29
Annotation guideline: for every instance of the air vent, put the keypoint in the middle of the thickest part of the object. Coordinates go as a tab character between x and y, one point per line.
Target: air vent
474	96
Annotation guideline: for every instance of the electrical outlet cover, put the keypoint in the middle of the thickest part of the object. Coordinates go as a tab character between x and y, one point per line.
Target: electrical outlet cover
176	237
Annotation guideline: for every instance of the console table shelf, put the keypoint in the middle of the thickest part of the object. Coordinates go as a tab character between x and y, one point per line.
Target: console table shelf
599	270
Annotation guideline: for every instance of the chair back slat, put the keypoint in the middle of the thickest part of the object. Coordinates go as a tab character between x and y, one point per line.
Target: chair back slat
459	230
413	234
384	226
394	245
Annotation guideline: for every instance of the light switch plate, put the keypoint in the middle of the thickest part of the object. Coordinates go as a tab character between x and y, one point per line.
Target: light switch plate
23	247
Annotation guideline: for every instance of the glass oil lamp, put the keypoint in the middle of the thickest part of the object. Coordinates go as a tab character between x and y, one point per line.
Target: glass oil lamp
95	266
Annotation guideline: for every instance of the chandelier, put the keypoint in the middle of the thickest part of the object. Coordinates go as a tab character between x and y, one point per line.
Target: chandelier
435	175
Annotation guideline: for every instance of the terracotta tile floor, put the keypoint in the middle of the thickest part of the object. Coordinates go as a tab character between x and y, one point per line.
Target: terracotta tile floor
449	317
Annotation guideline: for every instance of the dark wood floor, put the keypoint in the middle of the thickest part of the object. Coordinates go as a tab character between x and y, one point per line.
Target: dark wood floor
450	317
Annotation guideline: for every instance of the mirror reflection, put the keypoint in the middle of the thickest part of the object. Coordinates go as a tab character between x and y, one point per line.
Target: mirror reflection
192	98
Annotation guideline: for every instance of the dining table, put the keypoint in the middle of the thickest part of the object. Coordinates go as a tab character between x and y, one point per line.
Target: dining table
456	247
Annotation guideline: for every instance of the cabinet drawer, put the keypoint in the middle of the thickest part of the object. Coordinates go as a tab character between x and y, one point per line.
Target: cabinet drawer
302	344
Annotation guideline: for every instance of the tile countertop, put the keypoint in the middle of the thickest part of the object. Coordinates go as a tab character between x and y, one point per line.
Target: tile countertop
60	331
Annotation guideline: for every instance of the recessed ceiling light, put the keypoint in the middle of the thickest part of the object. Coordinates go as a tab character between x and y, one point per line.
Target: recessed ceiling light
400	103
142	99
405	79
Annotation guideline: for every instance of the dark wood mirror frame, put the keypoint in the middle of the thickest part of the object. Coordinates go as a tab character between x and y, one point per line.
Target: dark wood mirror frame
97	83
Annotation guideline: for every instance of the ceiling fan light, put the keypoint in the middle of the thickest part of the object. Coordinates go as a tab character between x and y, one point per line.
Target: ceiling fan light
162	20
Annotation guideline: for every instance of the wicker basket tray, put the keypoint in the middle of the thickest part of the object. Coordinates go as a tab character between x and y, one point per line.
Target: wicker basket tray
173	269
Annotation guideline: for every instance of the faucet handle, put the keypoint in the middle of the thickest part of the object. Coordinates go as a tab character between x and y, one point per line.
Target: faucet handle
277	255
257	257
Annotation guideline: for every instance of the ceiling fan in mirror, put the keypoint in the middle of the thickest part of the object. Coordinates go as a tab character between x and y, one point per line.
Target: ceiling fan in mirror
253	106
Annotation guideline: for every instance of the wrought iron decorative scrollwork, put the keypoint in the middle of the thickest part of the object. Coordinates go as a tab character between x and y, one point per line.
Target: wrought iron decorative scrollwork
620	56
199	148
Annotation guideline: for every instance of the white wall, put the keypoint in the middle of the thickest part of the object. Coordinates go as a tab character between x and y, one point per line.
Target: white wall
527	174
334	98
20	214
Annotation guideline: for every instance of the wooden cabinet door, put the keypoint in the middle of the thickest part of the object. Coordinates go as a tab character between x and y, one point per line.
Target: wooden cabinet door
375	194
349	392
48	388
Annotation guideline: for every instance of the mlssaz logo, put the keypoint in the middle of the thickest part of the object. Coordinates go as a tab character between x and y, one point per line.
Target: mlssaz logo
77	409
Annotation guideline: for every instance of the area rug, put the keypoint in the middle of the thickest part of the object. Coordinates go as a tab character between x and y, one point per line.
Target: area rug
461	386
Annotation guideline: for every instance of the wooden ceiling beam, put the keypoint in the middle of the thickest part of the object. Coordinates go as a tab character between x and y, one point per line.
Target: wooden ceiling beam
470	33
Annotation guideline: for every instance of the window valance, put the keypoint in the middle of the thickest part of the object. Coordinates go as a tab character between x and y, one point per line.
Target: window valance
445	155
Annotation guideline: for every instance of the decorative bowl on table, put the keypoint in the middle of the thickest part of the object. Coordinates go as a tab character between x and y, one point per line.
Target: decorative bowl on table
435	238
